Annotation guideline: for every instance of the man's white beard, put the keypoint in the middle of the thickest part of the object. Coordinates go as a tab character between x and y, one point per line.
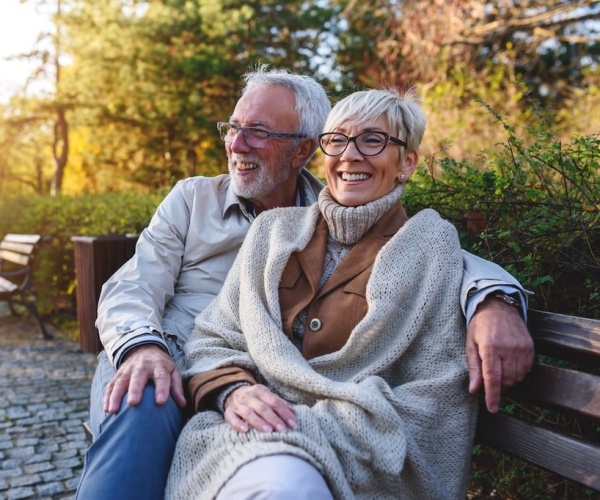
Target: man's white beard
261	184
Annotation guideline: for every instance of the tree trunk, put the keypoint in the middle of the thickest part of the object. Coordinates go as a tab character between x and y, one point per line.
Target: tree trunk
60	149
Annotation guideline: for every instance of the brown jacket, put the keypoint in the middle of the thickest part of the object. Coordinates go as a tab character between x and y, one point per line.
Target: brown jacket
333	311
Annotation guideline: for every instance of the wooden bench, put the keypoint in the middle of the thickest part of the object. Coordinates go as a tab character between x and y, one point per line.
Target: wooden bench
17	255
563	387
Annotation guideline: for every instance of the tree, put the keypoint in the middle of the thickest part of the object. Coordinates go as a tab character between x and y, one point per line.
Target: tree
31	116
548	43
463	52
152	78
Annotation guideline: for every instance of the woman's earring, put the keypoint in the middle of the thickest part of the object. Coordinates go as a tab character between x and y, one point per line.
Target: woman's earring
402	177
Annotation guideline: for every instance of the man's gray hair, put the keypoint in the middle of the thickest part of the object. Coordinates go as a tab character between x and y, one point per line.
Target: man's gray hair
312	102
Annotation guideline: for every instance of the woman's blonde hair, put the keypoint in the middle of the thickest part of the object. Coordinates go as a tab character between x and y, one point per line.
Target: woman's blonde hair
402	110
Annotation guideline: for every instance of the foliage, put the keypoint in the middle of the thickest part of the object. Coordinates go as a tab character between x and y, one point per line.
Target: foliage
152	79
533	206
60	218
140	84
546	44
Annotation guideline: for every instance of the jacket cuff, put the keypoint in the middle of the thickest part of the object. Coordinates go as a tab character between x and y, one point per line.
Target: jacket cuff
478	297
147	338
223	394
202	385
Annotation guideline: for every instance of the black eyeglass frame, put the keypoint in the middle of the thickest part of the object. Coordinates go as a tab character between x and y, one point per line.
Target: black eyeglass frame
349	139
268	135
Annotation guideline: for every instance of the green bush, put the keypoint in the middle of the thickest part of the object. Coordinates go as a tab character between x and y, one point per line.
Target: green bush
60	218
533	206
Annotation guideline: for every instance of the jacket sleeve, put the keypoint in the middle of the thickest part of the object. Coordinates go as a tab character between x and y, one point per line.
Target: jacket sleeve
203	386
133	300
481	276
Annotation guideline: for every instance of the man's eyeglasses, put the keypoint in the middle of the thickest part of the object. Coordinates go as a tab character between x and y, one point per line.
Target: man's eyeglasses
367	143
254	137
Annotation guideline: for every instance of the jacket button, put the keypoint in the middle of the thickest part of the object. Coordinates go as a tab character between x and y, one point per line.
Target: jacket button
315	324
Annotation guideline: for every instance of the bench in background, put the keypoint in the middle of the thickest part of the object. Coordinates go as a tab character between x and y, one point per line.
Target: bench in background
565	379
17	256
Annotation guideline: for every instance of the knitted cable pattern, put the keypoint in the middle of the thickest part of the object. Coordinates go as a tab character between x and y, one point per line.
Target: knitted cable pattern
386	416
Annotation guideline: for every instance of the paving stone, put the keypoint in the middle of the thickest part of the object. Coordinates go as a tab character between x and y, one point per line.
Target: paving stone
51	489
24	452
11	463
63	455
71	484
39	457
19	493
17	412
57	475
39	467
8	473
25	480
26	442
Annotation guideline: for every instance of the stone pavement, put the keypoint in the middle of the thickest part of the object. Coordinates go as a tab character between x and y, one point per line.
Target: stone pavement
44	399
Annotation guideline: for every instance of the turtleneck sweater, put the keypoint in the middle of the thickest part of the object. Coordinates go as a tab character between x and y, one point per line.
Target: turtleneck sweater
346	226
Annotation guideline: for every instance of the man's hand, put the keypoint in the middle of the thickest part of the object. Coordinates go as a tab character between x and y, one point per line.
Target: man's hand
256	406
141	364
499	349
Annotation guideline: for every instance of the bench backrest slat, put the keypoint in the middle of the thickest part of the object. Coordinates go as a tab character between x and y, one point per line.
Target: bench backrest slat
561	387
19	249
565	455
25	248
32	239
7	286
561	333
14	257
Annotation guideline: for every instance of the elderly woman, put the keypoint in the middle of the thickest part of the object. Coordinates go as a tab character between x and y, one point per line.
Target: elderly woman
332	363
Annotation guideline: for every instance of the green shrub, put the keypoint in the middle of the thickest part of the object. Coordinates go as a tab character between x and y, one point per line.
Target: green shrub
533	206
60	218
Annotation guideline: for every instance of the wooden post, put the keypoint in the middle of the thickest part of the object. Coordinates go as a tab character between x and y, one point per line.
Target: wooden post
96	259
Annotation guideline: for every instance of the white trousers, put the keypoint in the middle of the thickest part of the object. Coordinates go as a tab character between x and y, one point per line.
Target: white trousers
276	477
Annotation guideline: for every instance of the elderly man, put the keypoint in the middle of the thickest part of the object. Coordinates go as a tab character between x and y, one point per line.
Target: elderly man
147	308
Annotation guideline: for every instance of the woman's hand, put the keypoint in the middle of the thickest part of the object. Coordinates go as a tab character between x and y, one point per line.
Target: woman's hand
256	406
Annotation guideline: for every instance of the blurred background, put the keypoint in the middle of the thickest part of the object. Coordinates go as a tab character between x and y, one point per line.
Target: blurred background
105	105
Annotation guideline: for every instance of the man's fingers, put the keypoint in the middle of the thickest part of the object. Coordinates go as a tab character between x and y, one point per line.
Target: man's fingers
115	391
137	382
162	384
492	377
474	362
177	389
142	365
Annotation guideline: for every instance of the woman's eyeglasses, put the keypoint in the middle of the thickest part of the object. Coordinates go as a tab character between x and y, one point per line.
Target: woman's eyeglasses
367	143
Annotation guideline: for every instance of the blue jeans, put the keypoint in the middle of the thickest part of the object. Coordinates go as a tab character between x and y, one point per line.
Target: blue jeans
132	450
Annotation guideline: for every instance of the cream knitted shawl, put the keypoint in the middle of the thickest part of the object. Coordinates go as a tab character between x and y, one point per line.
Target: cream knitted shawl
386	416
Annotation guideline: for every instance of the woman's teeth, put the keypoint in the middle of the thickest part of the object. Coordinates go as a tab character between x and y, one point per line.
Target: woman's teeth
354	177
